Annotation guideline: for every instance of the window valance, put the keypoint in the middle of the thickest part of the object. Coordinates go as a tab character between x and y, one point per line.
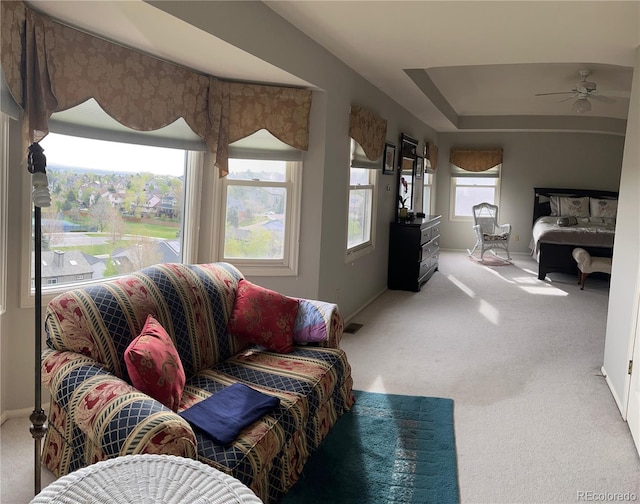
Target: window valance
432	156
369	130
50	67
475	160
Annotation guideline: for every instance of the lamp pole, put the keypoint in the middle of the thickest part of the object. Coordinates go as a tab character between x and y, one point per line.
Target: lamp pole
36	165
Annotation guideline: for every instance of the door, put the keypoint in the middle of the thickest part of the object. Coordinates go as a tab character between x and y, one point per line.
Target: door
633	408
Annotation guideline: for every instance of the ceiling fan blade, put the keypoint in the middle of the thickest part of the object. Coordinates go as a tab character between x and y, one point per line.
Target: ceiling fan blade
565	99
562	92
601	98
612	93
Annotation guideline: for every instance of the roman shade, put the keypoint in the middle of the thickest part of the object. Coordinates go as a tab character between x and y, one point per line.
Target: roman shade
50	67
369	130
432	156
474	159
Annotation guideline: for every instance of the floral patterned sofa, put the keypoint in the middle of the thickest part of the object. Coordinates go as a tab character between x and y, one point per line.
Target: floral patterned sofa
96	413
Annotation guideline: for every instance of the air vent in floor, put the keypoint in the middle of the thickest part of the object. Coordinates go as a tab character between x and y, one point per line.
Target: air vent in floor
352	328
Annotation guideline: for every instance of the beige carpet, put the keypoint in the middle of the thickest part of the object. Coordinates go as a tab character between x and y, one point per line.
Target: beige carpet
534	420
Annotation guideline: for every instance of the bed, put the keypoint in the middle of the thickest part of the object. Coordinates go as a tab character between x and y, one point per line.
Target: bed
567	218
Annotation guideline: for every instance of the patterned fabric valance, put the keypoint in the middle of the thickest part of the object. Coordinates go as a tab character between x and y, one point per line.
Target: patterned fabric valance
58	67
475	160
369	130
432	155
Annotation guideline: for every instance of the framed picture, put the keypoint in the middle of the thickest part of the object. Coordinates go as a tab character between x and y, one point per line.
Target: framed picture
389	159
419	167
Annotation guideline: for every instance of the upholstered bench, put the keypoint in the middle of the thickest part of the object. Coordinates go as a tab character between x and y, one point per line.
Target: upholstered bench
590	264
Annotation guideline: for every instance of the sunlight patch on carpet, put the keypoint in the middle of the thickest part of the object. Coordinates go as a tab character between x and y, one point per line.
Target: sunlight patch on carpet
491	260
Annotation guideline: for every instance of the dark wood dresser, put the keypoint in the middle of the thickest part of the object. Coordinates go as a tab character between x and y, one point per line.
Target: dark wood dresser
414	247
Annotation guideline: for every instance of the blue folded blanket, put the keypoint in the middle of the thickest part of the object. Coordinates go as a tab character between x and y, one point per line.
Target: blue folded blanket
224	414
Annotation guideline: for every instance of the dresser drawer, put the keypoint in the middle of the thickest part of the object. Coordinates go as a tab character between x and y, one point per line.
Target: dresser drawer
435	230
429	248
425	266
425	235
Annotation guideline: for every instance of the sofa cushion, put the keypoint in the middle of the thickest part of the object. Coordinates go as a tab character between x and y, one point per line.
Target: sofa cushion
154	365
264	317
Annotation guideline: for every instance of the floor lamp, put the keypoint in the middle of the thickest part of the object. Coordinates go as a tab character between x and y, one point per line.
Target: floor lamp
36	164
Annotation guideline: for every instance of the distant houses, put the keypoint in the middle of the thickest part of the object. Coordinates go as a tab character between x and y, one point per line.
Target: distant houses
71	266
65	267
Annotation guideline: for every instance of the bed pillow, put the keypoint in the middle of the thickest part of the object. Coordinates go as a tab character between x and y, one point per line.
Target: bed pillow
568	206
603	207
567	221
154	365
264	317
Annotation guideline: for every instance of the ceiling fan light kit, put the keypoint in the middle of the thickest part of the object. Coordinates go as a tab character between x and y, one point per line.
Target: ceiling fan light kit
581	105
582	90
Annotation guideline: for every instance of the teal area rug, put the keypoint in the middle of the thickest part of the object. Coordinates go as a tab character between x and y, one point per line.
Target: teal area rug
387	449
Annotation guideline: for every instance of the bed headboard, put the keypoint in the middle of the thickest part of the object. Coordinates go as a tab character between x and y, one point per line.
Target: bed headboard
541	201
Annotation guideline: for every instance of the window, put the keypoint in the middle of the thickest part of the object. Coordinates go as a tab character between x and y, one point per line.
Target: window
427	194
360	225
4	163
115	208
360	213
470	189
260	215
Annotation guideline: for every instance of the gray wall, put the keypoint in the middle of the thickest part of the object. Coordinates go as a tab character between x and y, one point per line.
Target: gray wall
562	160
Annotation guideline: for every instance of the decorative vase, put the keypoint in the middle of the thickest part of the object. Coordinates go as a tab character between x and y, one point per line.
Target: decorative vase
402	213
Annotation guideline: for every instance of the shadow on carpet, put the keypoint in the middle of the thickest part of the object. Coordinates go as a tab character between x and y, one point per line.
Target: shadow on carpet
388	449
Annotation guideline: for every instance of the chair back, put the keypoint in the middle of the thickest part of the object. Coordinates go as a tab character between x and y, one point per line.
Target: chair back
485	215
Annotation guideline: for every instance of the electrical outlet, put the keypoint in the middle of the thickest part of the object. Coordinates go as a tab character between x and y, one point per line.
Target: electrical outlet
516	237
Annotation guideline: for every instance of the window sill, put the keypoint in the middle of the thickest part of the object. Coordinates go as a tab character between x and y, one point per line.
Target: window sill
355	254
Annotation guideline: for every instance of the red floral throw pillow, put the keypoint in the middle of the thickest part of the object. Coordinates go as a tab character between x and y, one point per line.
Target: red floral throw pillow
154	364
264	317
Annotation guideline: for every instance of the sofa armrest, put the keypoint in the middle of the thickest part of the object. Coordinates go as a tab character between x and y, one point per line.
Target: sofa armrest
318	322
114	415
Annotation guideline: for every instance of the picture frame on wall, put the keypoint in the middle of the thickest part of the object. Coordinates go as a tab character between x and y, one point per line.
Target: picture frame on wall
389	159
419	167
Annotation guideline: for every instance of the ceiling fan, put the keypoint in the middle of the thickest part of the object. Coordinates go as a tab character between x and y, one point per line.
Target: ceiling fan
582	90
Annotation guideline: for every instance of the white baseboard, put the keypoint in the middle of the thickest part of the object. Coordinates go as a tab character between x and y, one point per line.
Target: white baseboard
19	413
367	303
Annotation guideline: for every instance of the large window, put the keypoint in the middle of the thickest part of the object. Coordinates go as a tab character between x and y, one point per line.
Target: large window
260	215
467	191
115	208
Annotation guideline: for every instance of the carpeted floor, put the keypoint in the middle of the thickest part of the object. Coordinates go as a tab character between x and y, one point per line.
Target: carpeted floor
534	419
389	448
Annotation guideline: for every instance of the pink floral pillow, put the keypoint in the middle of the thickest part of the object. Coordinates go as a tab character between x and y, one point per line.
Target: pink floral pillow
154	364
264	317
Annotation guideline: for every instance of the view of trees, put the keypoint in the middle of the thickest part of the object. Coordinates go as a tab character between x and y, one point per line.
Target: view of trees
131	212
255	220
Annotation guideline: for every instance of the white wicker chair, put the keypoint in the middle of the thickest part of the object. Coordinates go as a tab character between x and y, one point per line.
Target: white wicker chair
489	234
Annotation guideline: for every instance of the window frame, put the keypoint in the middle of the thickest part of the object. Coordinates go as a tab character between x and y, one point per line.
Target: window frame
429	179
288	266
453	186
194	165
353	253
4	206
